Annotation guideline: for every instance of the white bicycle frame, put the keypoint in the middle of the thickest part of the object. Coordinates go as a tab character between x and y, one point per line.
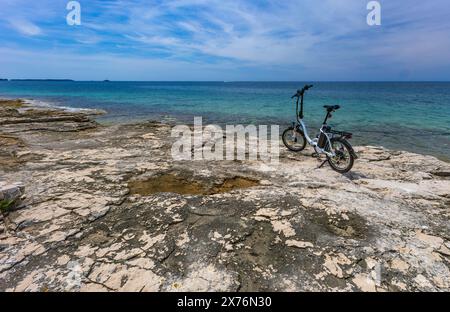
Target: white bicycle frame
313	142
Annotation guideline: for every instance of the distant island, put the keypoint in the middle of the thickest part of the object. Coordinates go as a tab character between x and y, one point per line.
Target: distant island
41	80
52	80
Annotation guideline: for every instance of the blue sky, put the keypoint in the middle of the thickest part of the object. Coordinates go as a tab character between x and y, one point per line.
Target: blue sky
225	40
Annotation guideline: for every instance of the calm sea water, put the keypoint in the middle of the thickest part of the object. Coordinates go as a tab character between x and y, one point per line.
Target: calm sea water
406	116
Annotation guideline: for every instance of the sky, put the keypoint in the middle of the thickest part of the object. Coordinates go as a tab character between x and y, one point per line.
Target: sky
226	40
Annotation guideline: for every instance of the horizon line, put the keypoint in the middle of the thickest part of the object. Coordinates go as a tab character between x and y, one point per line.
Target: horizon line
213	81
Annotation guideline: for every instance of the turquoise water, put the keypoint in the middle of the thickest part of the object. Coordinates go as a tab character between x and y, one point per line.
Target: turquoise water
411	116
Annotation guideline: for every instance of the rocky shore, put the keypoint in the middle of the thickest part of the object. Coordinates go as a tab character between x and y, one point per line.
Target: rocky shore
86	207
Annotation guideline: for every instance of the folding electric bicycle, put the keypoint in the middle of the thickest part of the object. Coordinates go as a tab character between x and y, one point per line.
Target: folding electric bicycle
334	144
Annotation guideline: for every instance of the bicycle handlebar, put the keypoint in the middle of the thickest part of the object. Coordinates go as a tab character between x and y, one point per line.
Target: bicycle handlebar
302	91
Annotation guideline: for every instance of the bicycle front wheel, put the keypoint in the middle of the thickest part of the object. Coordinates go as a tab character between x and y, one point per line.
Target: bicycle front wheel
294	140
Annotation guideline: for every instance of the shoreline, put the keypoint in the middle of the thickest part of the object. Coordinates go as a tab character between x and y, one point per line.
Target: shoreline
111	201
39	104
94	112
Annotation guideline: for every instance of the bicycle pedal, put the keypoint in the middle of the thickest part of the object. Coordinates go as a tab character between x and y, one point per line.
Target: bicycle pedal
315	155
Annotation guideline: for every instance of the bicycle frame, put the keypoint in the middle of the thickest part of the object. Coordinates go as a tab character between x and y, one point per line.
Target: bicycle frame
310	141
313	142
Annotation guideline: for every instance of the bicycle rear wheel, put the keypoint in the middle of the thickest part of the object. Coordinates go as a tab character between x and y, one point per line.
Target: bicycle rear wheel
343	160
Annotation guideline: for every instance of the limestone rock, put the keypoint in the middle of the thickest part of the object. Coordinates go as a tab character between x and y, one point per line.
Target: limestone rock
11	193
96	217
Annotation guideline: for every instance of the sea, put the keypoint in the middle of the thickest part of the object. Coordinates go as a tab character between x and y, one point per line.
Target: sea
411	116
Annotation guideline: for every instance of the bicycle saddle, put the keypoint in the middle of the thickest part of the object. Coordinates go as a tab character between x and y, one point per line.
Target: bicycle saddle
331	108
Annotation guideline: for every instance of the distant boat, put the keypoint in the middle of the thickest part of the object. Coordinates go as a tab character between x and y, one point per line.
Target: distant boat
106	80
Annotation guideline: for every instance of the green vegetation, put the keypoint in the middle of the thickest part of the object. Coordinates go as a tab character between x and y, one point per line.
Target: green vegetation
5	205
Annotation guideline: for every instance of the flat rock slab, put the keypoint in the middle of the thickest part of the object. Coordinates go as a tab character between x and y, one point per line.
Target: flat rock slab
11	192
108	209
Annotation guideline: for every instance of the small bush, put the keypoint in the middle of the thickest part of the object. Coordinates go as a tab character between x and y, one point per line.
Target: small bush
5	205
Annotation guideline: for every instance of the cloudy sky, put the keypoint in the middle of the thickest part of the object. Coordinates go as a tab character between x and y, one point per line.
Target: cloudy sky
225	40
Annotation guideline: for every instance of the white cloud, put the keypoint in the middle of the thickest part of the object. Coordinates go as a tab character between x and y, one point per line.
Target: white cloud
25	27
326	39
70	64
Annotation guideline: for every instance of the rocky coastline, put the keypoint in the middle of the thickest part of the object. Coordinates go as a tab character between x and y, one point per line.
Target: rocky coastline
88	207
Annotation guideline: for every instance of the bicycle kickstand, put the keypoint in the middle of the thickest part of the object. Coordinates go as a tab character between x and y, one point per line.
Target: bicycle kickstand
322	164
